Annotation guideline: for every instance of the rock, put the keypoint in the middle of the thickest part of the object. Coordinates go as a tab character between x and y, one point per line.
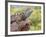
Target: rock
19	22
18	18
25	25
15	27
12	18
